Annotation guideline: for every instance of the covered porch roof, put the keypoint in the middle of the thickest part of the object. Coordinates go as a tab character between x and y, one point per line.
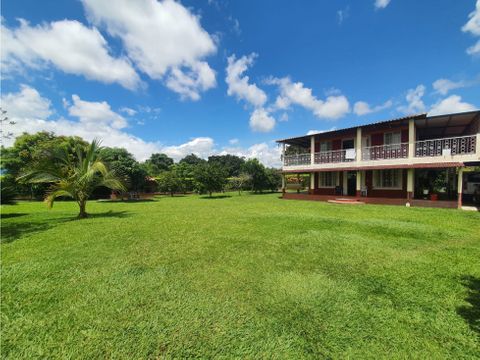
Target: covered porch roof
438	126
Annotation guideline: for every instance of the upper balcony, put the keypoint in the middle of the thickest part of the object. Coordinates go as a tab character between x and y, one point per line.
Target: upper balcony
413	140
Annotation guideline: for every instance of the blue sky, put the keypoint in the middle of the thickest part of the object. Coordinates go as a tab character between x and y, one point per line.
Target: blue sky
232	76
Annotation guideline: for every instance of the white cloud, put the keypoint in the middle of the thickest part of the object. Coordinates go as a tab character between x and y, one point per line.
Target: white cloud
362	108
233	141
451	104
311	132
267	154
200	146
27	103
474	49
473	26
128	111
69	46
334	107
98	113
443	86
31	113
239	85
189	82
162	38
261	121
381	4
283	117
414	100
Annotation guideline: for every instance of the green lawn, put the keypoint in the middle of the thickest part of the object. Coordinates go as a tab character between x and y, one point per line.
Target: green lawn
248	277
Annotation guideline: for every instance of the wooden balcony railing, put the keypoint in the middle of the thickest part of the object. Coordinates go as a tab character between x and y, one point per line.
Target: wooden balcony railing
296	159
334	156
385	152
461	145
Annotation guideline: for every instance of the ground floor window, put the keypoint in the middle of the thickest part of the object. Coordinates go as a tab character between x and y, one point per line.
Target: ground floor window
327	179
387	179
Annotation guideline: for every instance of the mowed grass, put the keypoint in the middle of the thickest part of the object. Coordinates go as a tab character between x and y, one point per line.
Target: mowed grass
249	276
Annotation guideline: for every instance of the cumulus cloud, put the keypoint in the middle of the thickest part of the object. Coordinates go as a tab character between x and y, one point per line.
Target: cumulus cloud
443	86
333	107
69	46
31	112
238	84
363	108
161	38
95	119
267	153
27	103
473	27
261	121
188	83
415	103
451	104
96	113
201	146
381	4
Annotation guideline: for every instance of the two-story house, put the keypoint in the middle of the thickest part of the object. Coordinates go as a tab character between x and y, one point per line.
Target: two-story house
417	160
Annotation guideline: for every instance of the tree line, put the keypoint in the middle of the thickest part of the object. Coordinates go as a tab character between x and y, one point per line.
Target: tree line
159	173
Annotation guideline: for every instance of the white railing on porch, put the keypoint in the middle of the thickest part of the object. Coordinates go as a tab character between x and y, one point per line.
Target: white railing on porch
296	159
384	152
461	145
334	156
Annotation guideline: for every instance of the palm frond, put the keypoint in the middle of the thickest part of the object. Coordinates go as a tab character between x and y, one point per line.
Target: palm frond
52	195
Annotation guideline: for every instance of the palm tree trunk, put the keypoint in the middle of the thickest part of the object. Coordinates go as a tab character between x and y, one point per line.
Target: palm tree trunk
83	214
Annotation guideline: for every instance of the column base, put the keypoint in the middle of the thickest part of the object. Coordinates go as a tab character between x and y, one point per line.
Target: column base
359	193
409	195
459	201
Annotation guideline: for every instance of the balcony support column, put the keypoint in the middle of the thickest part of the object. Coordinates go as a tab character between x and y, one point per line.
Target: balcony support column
312	183
411	138
460	187
312	150
410	184
359	183
358	145
283	183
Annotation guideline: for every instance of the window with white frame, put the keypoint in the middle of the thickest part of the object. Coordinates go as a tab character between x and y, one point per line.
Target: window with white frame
327	179
387	179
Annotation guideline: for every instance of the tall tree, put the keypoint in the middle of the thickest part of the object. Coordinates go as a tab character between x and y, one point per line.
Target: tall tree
257	173
75	177
158	163
231	163
30	148
193	160
184	174
209	178
168	182
125	165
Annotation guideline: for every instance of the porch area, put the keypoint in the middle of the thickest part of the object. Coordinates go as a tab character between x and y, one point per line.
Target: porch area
426	187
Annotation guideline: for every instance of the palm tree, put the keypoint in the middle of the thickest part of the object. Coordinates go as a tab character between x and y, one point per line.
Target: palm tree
75	176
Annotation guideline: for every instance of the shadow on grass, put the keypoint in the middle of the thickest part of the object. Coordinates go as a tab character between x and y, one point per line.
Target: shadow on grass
108	214
12	231
133	201
15	230
471	312
215	197
12	215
